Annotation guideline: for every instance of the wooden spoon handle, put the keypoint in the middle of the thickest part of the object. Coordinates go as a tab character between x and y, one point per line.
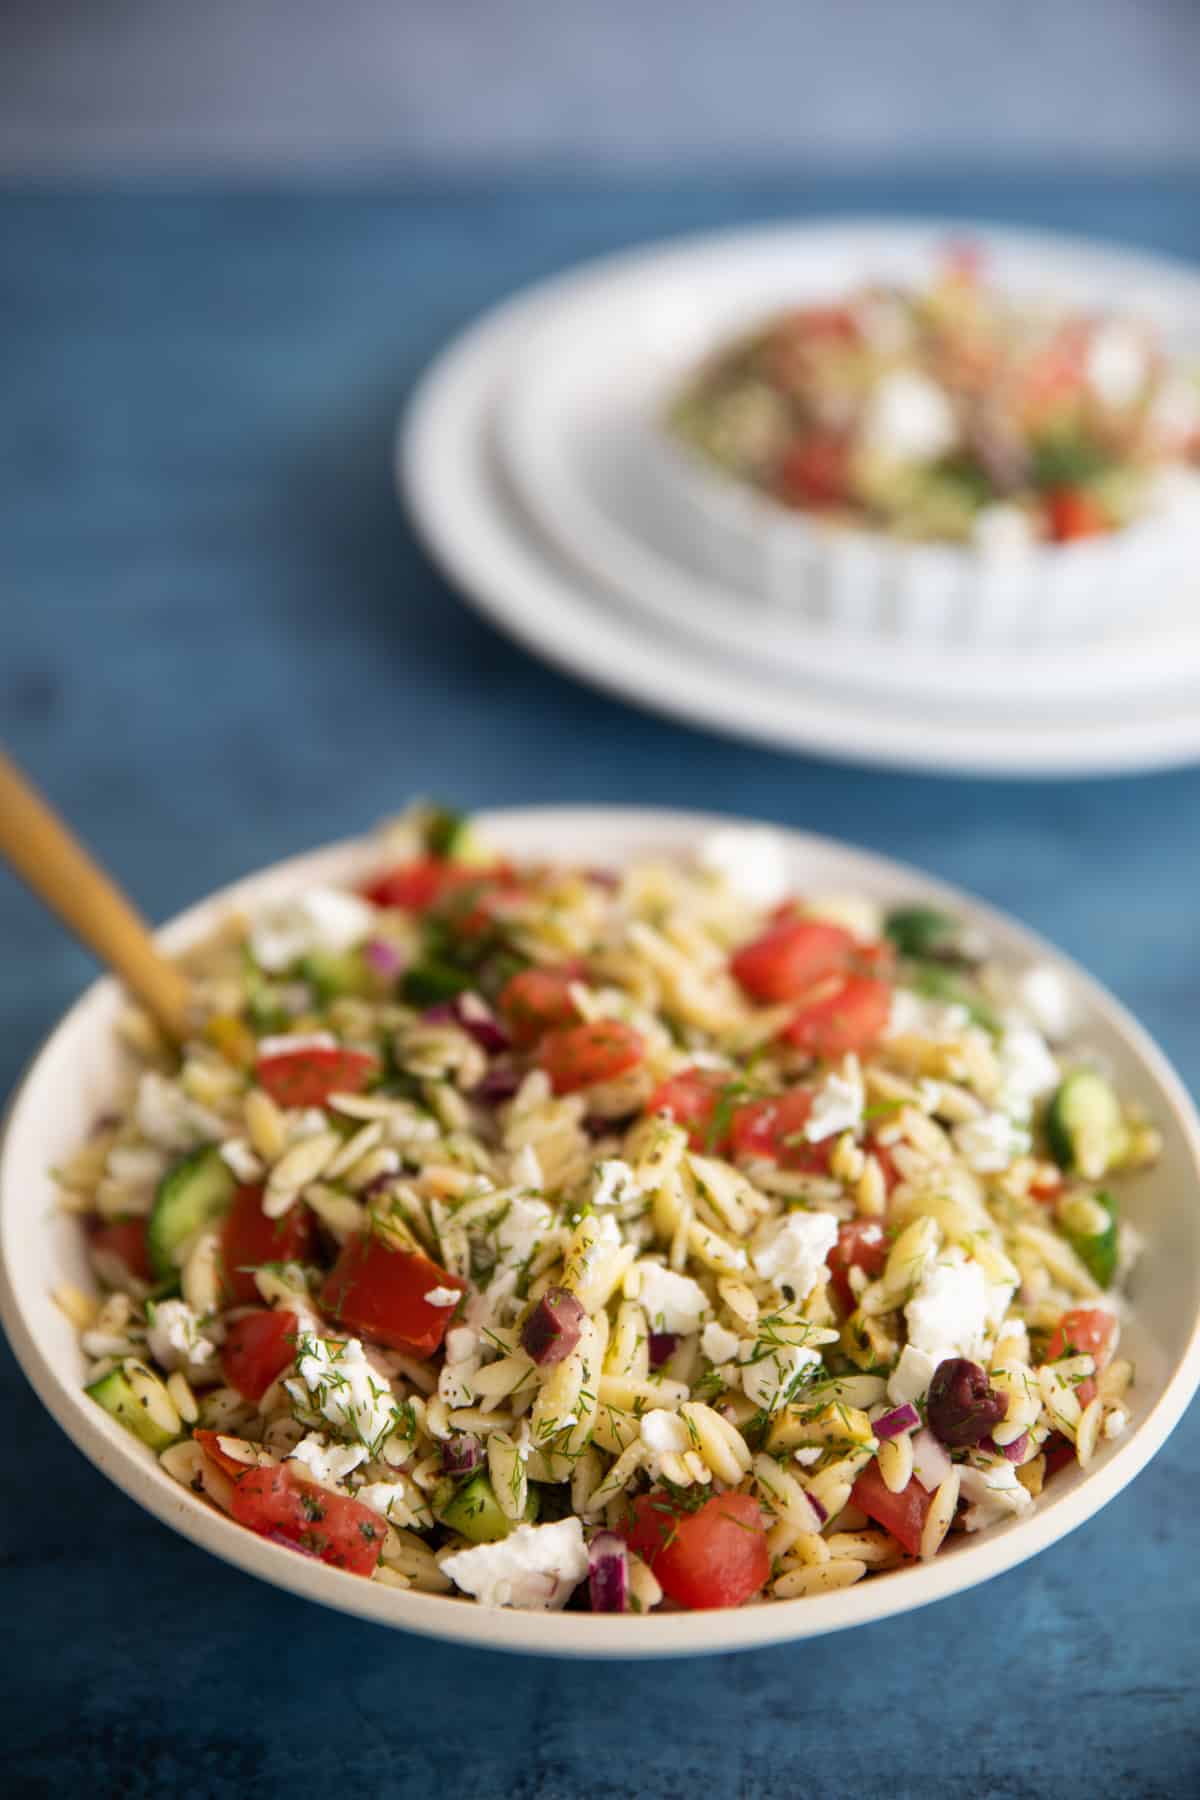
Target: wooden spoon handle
59	870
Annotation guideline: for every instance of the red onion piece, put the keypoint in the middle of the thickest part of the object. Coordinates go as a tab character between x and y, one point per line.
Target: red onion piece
552	1329
461	1454
821	1510
931	1461
475	1017
383	957
1013	1452
901	1418
663	1345
608	1573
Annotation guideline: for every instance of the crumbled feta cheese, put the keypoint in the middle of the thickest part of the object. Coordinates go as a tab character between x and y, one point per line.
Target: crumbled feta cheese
990	1143
323	919
672	1302
172	1119
663	1434
442	1296
1043	993
336	1380
526	1170
948	1314
1117	1422
719	1345
807	1455
837	1104
289	1043
754	863
914	1016
461	1344
768	1381
855	913
794	1256
909	419
909	1380
521	1230
327	1462
1117	363
240	1160
992	1491
1027	1068
536	1566
612	1182
1001	530
390	1499
174	1336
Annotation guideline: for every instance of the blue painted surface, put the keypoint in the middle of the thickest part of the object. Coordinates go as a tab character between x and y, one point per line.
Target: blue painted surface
220	644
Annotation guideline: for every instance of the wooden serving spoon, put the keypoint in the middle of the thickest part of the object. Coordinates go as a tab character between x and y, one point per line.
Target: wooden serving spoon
53	862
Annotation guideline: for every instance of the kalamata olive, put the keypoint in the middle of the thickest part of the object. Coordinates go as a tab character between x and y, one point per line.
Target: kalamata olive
552	1329
461	1454
663	1345
962	1405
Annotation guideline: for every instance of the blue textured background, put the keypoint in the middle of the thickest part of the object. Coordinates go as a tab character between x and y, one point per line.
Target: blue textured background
219	644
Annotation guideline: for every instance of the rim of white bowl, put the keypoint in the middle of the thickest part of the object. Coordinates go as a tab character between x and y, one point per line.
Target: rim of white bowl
110	1449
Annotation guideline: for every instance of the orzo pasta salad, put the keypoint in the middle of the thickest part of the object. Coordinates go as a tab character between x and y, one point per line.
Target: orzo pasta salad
624	1239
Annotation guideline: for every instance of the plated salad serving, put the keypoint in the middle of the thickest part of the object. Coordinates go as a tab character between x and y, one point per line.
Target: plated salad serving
950	413
620	1239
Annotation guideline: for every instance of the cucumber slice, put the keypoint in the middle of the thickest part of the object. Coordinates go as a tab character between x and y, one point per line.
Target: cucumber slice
1079	1216
450	834
474	1511
190	1195
937	983
1084	1126
139	1401
333	974
921	930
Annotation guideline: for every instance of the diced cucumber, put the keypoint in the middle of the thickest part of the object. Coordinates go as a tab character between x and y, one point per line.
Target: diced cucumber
474	1511
1084	1125
333	974
921	930
190	1195
432	981
139	1401
1094	1241
937	983
451	834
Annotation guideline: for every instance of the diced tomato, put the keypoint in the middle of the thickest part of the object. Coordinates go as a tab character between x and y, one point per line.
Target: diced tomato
815	471
851	1017
210	1443
383	1292
902	1514
862	1244
308	1077
277	1504
579	1056
1084	1331
416	886
257	1348
790	958
691	1099
249	1238
1072	513
125	1238
533	1001
773	1131
715	1556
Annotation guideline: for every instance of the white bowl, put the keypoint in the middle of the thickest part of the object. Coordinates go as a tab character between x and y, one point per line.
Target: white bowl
863	582
73	1078
616	341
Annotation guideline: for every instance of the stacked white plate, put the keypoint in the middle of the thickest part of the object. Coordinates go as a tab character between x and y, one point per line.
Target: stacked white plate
530	464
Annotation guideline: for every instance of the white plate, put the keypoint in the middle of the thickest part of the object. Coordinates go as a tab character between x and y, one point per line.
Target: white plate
578	428
75	1077
452	480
